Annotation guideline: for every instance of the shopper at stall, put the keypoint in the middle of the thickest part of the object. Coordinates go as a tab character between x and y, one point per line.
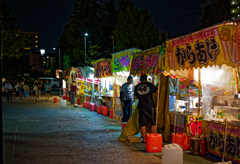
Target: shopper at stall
41	87
37	88
47	87
73	92
8	87
26	91
21	90
16	88
126	97
143	92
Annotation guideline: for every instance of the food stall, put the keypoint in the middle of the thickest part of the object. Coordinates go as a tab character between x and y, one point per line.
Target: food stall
86	83
204	64
68	75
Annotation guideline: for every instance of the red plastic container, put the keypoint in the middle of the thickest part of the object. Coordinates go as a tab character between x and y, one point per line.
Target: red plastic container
64	97
111	111
154	143
84	104
105	111
99	110
78	101
180	139
69	98
55	100
111	115
92	107
102	109
87	105
189	142
123	125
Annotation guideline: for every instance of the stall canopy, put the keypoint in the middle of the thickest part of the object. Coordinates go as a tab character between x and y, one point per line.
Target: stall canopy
147	61
102	68
68	72
84	72
121	61
216	45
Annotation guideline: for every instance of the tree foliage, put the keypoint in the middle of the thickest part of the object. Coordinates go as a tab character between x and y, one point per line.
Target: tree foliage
208	18
12	40
129	26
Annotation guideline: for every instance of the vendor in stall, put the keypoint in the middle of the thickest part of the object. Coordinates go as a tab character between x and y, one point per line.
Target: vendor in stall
143	92
126	97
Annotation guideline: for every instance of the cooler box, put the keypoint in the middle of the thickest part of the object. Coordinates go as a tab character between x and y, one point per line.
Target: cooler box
154	143
63	102
181	139
172	154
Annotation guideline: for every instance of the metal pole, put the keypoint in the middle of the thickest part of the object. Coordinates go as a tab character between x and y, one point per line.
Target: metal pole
51	61
59	59
47	66
85	48
92	89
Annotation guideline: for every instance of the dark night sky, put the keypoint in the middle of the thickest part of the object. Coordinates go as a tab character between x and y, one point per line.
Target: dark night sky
31	16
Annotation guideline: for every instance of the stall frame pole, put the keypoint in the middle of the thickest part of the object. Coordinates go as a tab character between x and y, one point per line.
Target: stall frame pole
176	109
92	89
157	100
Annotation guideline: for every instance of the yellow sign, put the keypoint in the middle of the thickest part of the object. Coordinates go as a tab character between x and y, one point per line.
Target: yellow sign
215	134
212	46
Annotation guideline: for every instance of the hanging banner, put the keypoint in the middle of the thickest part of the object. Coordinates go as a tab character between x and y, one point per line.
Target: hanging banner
121	61
102	68
79	73
66	73
212	46
147	62
215	135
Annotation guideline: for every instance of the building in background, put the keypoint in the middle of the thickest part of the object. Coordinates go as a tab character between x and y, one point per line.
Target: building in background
214	4
32	48
48	60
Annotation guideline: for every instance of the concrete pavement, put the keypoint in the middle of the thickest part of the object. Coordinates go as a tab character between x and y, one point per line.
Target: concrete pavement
43	132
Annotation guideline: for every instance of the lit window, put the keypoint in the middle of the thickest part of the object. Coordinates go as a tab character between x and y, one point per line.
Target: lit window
47	56
36	36
44	62
233	11
16	34
36	46
36	41
238	15
238	7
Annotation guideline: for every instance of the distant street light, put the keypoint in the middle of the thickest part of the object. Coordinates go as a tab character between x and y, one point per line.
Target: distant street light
86	34
54	48
42	51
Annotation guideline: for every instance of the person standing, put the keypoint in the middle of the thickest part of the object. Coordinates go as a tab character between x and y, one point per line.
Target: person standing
8	87
47	87
143	92
38	88
21	90
26	91
17	88
73	92
41	87
3	91
126	97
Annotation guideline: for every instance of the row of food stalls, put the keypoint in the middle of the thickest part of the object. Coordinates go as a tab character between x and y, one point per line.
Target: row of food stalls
202	91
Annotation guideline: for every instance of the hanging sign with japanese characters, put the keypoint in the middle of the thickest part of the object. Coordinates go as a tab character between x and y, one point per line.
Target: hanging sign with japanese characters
121	61
215	135
212	46
147	62
102	68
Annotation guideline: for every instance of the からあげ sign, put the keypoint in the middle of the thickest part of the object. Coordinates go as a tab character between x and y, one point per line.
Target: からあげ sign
213	46
215	134
122	61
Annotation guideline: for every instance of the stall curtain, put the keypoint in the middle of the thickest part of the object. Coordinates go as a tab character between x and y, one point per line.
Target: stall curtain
121	61
132	127
213	46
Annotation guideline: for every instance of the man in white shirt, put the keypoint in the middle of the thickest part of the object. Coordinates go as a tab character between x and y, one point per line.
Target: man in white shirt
8	88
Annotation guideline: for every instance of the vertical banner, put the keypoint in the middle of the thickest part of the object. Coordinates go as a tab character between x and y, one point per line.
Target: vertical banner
146	62
121	61
212	46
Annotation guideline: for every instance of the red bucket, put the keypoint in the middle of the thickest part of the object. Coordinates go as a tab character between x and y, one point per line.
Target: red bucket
55	100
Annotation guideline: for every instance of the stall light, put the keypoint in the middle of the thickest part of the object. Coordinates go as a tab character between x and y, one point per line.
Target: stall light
238	15
238	7
44	62
47	56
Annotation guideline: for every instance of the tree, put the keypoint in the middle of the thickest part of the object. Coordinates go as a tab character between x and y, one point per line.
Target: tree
12	40
134	28
208	19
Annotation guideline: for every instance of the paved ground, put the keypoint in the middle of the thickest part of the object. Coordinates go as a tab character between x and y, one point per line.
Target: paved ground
43	132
